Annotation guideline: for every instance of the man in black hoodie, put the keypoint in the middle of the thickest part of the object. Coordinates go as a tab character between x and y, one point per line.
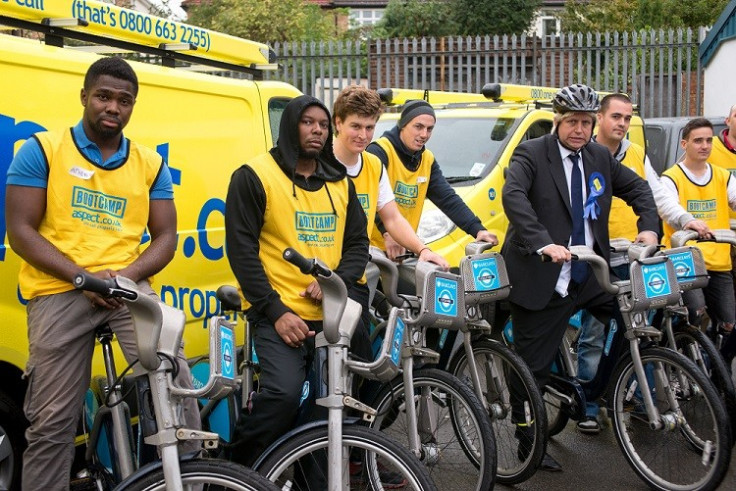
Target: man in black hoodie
296	195
415	175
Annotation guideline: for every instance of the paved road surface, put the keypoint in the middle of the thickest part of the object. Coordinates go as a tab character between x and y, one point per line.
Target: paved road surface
594	462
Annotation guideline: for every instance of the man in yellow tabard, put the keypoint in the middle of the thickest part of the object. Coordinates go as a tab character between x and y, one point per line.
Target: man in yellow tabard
415	176
297	195
79	200
355	114
706	191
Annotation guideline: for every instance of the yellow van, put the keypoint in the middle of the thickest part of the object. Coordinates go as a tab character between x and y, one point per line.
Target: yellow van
204	125
473	140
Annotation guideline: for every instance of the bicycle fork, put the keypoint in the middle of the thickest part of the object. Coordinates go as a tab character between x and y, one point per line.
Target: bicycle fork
424	448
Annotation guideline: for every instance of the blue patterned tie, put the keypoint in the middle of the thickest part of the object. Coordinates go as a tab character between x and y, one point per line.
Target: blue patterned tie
579	270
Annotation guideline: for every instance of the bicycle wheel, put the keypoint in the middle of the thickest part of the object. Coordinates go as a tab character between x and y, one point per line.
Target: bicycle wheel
693	450
457	441
298	463
518	457
696	346
201	474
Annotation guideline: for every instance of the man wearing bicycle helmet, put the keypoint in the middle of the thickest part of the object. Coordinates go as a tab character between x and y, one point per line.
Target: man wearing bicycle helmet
558	193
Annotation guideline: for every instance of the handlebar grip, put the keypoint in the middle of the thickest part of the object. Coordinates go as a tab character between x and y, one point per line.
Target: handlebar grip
305	265
86	281
548	259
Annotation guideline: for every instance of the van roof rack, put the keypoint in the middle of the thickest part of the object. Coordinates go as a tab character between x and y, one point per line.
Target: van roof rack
129	30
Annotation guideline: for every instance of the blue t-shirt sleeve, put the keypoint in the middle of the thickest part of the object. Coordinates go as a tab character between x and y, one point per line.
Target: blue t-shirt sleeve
163	188
29	167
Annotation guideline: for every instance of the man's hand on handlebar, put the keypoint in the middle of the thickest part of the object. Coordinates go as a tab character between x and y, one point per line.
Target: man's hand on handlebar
486	236
699	226
292	329
393	248
98	300
432	257
557	253
647	238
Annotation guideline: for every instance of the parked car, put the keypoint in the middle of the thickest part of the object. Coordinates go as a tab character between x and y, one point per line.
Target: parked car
663	139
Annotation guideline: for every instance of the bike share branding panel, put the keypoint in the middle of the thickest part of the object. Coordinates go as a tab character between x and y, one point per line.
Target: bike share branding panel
397	340
445	299
684	265
485	274
227	343
655	279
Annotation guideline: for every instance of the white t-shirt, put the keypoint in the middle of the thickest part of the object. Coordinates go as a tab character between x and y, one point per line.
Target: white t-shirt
385	194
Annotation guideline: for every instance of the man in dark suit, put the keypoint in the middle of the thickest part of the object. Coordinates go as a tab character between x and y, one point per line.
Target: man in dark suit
549	182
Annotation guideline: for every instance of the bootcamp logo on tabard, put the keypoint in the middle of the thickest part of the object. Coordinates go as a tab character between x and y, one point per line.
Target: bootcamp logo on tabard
406	194
317	229
96	209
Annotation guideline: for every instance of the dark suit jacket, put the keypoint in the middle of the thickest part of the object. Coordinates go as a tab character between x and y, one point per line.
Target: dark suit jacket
537	202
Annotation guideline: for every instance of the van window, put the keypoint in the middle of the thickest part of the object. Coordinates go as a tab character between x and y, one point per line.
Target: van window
465	148
537	129
276	108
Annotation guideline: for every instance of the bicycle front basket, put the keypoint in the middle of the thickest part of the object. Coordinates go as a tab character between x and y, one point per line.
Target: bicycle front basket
689	267
442	299
653	283
484	278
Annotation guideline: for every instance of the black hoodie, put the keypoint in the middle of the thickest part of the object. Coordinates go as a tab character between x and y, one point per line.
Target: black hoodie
439	190
246	205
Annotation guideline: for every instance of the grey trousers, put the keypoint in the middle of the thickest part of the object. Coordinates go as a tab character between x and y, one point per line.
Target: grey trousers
61	343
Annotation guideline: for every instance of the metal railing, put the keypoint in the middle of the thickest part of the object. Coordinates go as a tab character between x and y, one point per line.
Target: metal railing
658	69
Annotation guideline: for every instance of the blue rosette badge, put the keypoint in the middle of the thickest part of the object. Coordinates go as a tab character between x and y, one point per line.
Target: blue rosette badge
596	186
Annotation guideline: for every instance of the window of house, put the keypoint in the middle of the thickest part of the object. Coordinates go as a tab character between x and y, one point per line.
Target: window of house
365	17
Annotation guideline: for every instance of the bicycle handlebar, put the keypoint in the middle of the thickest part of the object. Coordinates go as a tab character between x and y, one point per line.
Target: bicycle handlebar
599	265
334	292
682	237
306	266
109	287
389	275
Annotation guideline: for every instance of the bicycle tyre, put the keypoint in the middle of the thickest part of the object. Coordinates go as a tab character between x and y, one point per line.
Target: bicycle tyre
672	459
461	455
496	361
280	465
205	474
698	347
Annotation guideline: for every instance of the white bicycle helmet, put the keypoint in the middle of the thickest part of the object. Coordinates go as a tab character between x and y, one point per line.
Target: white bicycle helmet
576	98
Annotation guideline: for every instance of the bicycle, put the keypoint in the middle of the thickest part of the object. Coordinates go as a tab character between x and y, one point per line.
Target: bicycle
681	336
487	365
299	459
443	422
664	409
159	330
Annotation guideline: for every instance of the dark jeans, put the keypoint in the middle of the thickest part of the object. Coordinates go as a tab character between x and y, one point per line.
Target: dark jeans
275	406
538	334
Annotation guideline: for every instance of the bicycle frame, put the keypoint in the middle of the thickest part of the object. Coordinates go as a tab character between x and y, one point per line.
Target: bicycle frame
634	300
159	329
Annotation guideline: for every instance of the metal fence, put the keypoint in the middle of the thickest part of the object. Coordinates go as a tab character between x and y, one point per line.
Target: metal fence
659	69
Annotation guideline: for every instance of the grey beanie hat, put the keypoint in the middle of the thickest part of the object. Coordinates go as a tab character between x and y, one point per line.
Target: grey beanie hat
412	109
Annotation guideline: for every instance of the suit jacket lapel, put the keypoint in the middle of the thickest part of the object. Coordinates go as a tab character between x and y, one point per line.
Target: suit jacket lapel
558	172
